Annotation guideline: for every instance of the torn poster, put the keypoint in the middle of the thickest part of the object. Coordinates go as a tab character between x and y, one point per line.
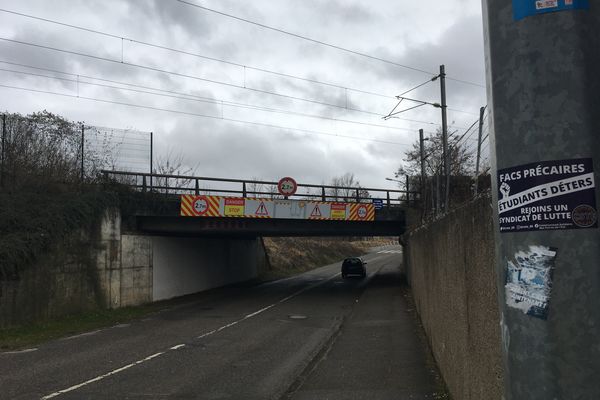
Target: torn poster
529	280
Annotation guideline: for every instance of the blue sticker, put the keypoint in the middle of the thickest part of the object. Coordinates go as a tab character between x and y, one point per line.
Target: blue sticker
525	8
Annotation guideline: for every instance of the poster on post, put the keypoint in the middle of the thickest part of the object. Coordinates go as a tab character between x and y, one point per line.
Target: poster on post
548	195
525	8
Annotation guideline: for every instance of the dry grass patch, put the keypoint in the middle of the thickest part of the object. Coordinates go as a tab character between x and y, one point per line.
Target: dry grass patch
293	255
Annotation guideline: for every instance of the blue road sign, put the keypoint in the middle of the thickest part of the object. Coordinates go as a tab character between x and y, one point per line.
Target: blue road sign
525	8
378	204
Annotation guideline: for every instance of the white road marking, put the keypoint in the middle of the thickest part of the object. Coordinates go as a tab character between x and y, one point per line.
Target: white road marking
82	335
19	351
390	252
255	313
116	371
99	378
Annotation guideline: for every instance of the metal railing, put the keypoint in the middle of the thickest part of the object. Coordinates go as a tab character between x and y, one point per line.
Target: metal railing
182	184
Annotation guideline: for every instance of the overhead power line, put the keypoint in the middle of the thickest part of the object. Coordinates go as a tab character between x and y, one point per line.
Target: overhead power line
180	51
153	69
322	43
181	95
467	131
203	115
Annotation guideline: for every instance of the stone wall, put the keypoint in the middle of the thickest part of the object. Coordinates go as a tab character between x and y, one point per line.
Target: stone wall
451	268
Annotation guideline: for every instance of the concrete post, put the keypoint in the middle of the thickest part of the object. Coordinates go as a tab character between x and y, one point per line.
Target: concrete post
543	85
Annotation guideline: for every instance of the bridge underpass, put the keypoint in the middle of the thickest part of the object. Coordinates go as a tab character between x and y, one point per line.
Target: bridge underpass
189	240
383	209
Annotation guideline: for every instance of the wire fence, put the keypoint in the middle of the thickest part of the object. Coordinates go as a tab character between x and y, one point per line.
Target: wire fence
44	148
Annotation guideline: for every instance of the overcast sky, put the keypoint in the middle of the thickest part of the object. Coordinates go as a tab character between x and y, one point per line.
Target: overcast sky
222	127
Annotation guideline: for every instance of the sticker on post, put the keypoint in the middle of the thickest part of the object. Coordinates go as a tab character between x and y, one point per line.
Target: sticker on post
526	8
529	281
547	195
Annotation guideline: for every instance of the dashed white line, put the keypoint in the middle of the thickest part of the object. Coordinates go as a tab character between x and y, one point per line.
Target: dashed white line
19	351
99	378
82	335
116	371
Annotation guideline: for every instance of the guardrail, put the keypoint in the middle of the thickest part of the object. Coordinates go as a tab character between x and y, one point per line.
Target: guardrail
182	184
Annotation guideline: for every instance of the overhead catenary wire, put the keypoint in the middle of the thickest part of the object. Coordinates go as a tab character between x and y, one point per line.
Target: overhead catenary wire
189	97
193	54
302	37
467	131
154	69
204	116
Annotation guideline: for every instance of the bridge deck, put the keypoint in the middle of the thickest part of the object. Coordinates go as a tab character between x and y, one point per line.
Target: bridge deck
180	226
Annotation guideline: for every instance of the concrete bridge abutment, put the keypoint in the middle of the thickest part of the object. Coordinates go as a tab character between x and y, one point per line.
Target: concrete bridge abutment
134	268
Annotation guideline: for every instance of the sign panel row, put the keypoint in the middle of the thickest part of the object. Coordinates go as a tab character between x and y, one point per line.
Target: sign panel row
219	206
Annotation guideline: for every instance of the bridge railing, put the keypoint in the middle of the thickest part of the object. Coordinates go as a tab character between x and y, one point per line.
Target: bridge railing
182	184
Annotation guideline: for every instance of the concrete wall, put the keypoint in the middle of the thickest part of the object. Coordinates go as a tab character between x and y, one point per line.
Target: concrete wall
124	265
189	265
451	271
61	282
107	268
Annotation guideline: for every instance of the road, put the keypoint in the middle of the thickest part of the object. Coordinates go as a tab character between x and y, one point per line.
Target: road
313	336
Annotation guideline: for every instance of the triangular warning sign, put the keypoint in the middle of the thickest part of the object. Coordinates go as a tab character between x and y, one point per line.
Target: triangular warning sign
316	212
262	210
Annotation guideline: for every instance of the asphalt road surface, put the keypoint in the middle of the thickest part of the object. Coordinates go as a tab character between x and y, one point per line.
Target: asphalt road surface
313	336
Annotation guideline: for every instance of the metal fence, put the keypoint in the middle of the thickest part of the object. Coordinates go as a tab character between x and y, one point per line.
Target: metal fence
43	147
183	184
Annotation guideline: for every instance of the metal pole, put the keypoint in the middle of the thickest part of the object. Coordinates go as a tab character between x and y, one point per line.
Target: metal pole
481	111
445	137
82	150
3	150
422	181
546	137
407	192
151	157
437	192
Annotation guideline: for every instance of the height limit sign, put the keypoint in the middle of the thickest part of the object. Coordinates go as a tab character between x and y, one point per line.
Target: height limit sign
548	195
287	186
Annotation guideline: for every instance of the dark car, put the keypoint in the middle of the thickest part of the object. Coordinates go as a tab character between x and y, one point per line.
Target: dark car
354	266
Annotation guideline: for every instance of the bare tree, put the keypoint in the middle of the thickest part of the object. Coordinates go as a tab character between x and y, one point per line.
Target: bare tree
255	189
409	174
173	164
345	188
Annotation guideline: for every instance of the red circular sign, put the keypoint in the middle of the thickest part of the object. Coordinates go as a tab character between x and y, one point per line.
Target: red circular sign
287	186
362	212
201	205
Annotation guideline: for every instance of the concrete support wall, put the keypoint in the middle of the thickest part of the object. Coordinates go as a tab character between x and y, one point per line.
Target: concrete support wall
124	265
107	268
189	265
61	282
452	274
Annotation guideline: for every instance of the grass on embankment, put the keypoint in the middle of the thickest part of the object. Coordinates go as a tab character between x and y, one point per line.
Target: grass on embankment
294	255
20	337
